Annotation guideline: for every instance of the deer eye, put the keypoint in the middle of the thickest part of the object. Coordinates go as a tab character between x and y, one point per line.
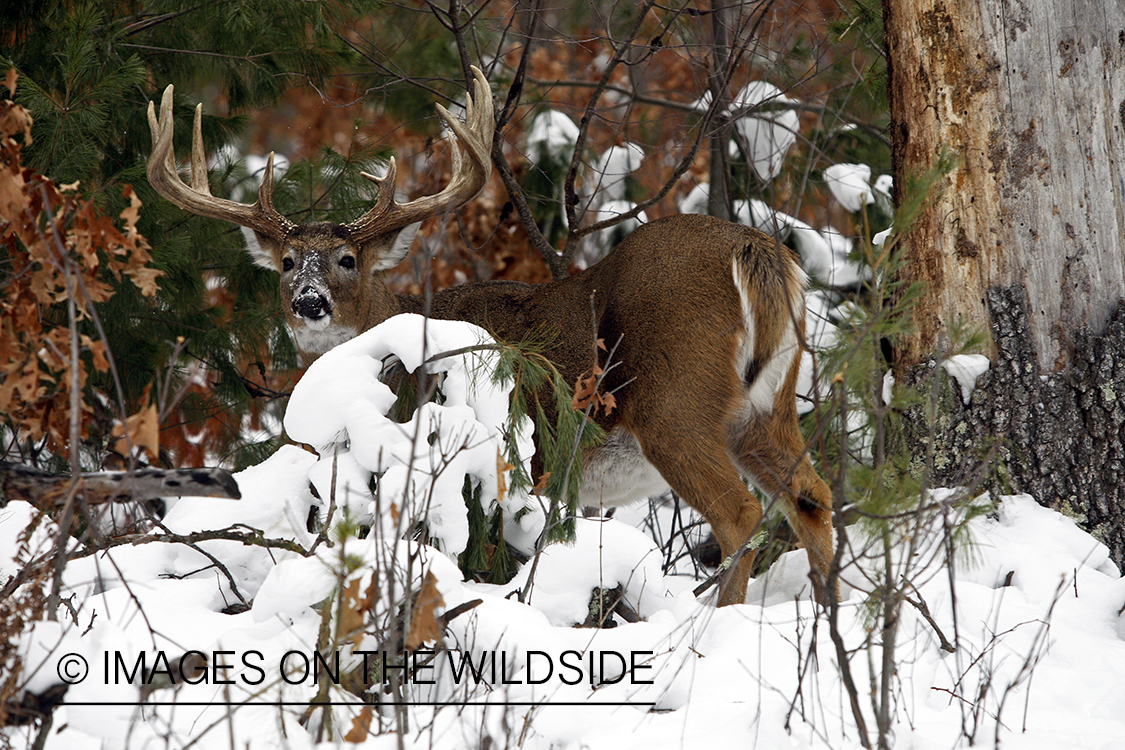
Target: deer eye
347	262
286	264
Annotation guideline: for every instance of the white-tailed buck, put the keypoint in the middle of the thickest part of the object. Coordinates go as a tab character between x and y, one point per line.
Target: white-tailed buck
709	316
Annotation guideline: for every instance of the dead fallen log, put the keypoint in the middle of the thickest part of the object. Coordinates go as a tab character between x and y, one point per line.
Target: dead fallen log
47	491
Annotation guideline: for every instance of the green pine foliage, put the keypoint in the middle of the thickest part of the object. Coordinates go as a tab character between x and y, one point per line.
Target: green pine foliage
562	431
543	184
864	96
417	37
330	186
213	342
539	391
879	482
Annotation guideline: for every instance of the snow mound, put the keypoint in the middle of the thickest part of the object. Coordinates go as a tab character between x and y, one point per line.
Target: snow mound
1031	603
340	407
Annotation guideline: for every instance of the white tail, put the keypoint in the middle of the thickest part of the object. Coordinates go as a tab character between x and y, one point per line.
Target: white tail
709	316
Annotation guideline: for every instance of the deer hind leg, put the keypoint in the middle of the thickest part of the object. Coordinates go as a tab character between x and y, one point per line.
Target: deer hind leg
679	417
770	448
699	470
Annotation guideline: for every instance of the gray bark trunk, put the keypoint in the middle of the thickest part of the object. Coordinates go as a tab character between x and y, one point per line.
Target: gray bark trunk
1059	437
1030	95
1027	240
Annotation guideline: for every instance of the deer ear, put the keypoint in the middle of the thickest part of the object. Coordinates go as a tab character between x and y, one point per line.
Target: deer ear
259	254
398	249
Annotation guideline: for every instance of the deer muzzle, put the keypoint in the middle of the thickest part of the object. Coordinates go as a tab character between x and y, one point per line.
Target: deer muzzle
314	308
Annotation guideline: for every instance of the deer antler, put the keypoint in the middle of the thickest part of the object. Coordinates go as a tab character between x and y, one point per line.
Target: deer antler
468	178
197	198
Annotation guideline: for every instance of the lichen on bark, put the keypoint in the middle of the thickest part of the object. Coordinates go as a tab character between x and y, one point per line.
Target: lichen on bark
1059	436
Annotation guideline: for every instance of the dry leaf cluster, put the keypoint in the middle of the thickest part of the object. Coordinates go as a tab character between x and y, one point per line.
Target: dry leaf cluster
57	248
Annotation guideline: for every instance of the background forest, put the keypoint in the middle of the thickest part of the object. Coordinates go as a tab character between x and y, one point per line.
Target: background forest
134	334
336	89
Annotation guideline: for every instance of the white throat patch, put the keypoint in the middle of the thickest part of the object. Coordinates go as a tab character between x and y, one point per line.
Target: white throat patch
320	335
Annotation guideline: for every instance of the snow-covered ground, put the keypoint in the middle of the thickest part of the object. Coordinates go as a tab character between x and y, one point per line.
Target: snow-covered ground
1033	606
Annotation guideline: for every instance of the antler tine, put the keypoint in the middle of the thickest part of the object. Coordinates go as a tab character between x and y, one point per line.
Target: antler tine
161	133
386	185
468	177
199	182
196	197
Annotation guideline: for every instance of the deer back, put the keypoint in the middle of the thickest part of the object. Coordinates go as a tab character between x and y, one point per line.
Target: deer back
682	297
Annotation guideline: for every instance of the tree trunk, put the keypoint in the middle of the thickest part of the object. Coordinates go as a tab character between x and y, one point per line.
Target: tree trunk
1027	238
718	196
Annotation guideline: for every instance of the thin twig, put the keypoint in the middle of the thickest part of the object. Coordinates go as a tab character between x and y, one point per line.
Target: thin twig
251	537
569	196
920	605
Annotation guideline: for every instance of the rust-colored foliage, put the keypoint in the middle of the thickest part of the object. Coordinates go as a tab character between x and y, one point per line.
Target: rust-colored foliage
425	624
586	394
20	605
57	247
486	240
361	726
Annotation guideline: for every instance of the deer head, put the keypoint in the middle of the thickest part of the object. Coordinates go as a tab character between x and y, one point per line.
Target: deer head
330	273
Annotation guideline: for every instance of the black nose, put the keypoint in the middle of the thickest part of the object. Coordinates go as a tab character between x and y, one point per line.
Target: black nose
311	305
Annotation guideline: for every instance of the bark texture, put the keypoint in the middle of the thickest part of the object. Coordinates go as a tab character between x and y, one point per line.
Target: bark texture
1029	95
1059	437
1027	238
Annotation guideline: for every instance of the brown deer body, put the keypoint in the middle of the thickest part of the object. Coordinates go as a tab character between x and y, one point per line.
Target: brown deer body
707	317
